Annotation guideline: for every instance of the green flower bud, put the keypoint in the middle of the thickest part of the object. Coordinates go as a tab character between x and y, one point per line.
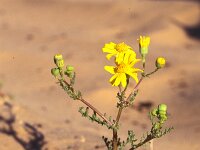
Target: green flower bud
162	112
55	72
154	112
69	71
160	62
162	107
69	68
162	118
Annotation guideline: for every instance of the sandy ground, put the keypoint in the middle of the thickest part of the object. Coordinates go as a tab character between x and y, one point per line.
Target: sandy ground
32	31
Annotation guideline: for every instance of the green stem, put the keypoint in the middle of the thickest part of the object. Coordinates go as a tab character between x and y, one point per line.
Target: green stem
148	74
147	139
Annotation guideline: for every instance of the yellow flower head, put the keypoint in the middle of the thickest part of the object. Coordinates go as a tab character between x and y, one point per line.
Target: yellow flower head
160	62
144	42
123	69
117	50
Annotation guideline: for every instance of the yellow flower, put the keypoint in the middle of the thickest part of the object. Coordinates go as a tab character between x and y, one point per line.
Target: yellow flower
160	62
118	50
144	42
123	69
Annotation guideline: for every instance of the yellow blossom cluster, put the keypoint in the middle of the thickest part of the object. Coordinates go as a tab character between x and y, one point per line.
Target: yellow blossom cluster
125	59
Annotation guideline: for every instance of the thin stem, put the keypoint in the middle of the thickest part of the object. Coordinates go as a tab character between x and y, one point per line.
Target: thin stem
119	115
137	85
126	84
115	139
120	89
115	136
90	106
95	110
135	89
148	74
147	139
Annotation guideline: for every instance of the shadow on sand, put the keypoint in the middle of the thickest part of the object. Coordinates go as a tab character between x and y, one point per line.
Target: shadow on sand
36	138
192	31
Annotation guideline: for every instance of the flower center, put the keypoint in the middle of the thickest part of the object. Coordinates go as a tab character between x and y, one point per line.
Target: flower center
121	68
121	47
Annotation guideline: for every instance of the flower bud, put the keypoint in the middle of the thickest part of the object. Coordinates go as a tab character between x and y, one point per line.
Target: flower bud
69	68
160	62
162	112
144	42
69	71
59	61
162	107
163	118
55	72
154	112
57	57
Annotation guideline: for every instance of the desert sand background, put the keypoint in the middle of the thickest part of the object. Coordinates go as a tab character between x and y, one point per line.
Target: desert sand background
33	31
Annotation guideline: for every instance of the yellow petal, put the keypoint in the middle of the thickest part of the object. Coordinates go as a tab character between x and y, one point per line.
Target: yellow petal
134	76
117	81
110	69
134	62
134	70
110	45
108	56
123	80
108	50
119	57
113	78
126	57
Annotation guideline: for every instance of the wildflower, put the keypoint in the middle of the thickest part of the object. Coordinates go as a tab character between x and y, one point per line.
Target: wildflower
118	50
144	42
160	62
59	61
123	70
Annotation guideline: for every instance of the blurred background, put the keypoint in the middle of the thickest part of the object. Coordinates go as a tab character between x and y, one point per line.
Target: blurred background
37	114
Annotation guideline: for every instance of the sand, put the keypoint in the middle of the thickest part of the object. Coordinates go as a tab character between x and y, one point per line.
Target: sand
32	31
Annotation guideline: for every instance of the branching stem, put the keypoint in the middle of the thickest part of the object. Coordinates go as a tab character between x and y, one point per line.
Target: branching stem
95	110
91	106
147	139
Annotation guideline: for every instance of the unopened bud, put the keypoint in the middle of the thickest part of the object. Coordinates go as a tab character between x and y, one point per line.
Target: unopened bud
144	42
162	112
59	61
162	107
55	72
160	62
69	71
154	112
